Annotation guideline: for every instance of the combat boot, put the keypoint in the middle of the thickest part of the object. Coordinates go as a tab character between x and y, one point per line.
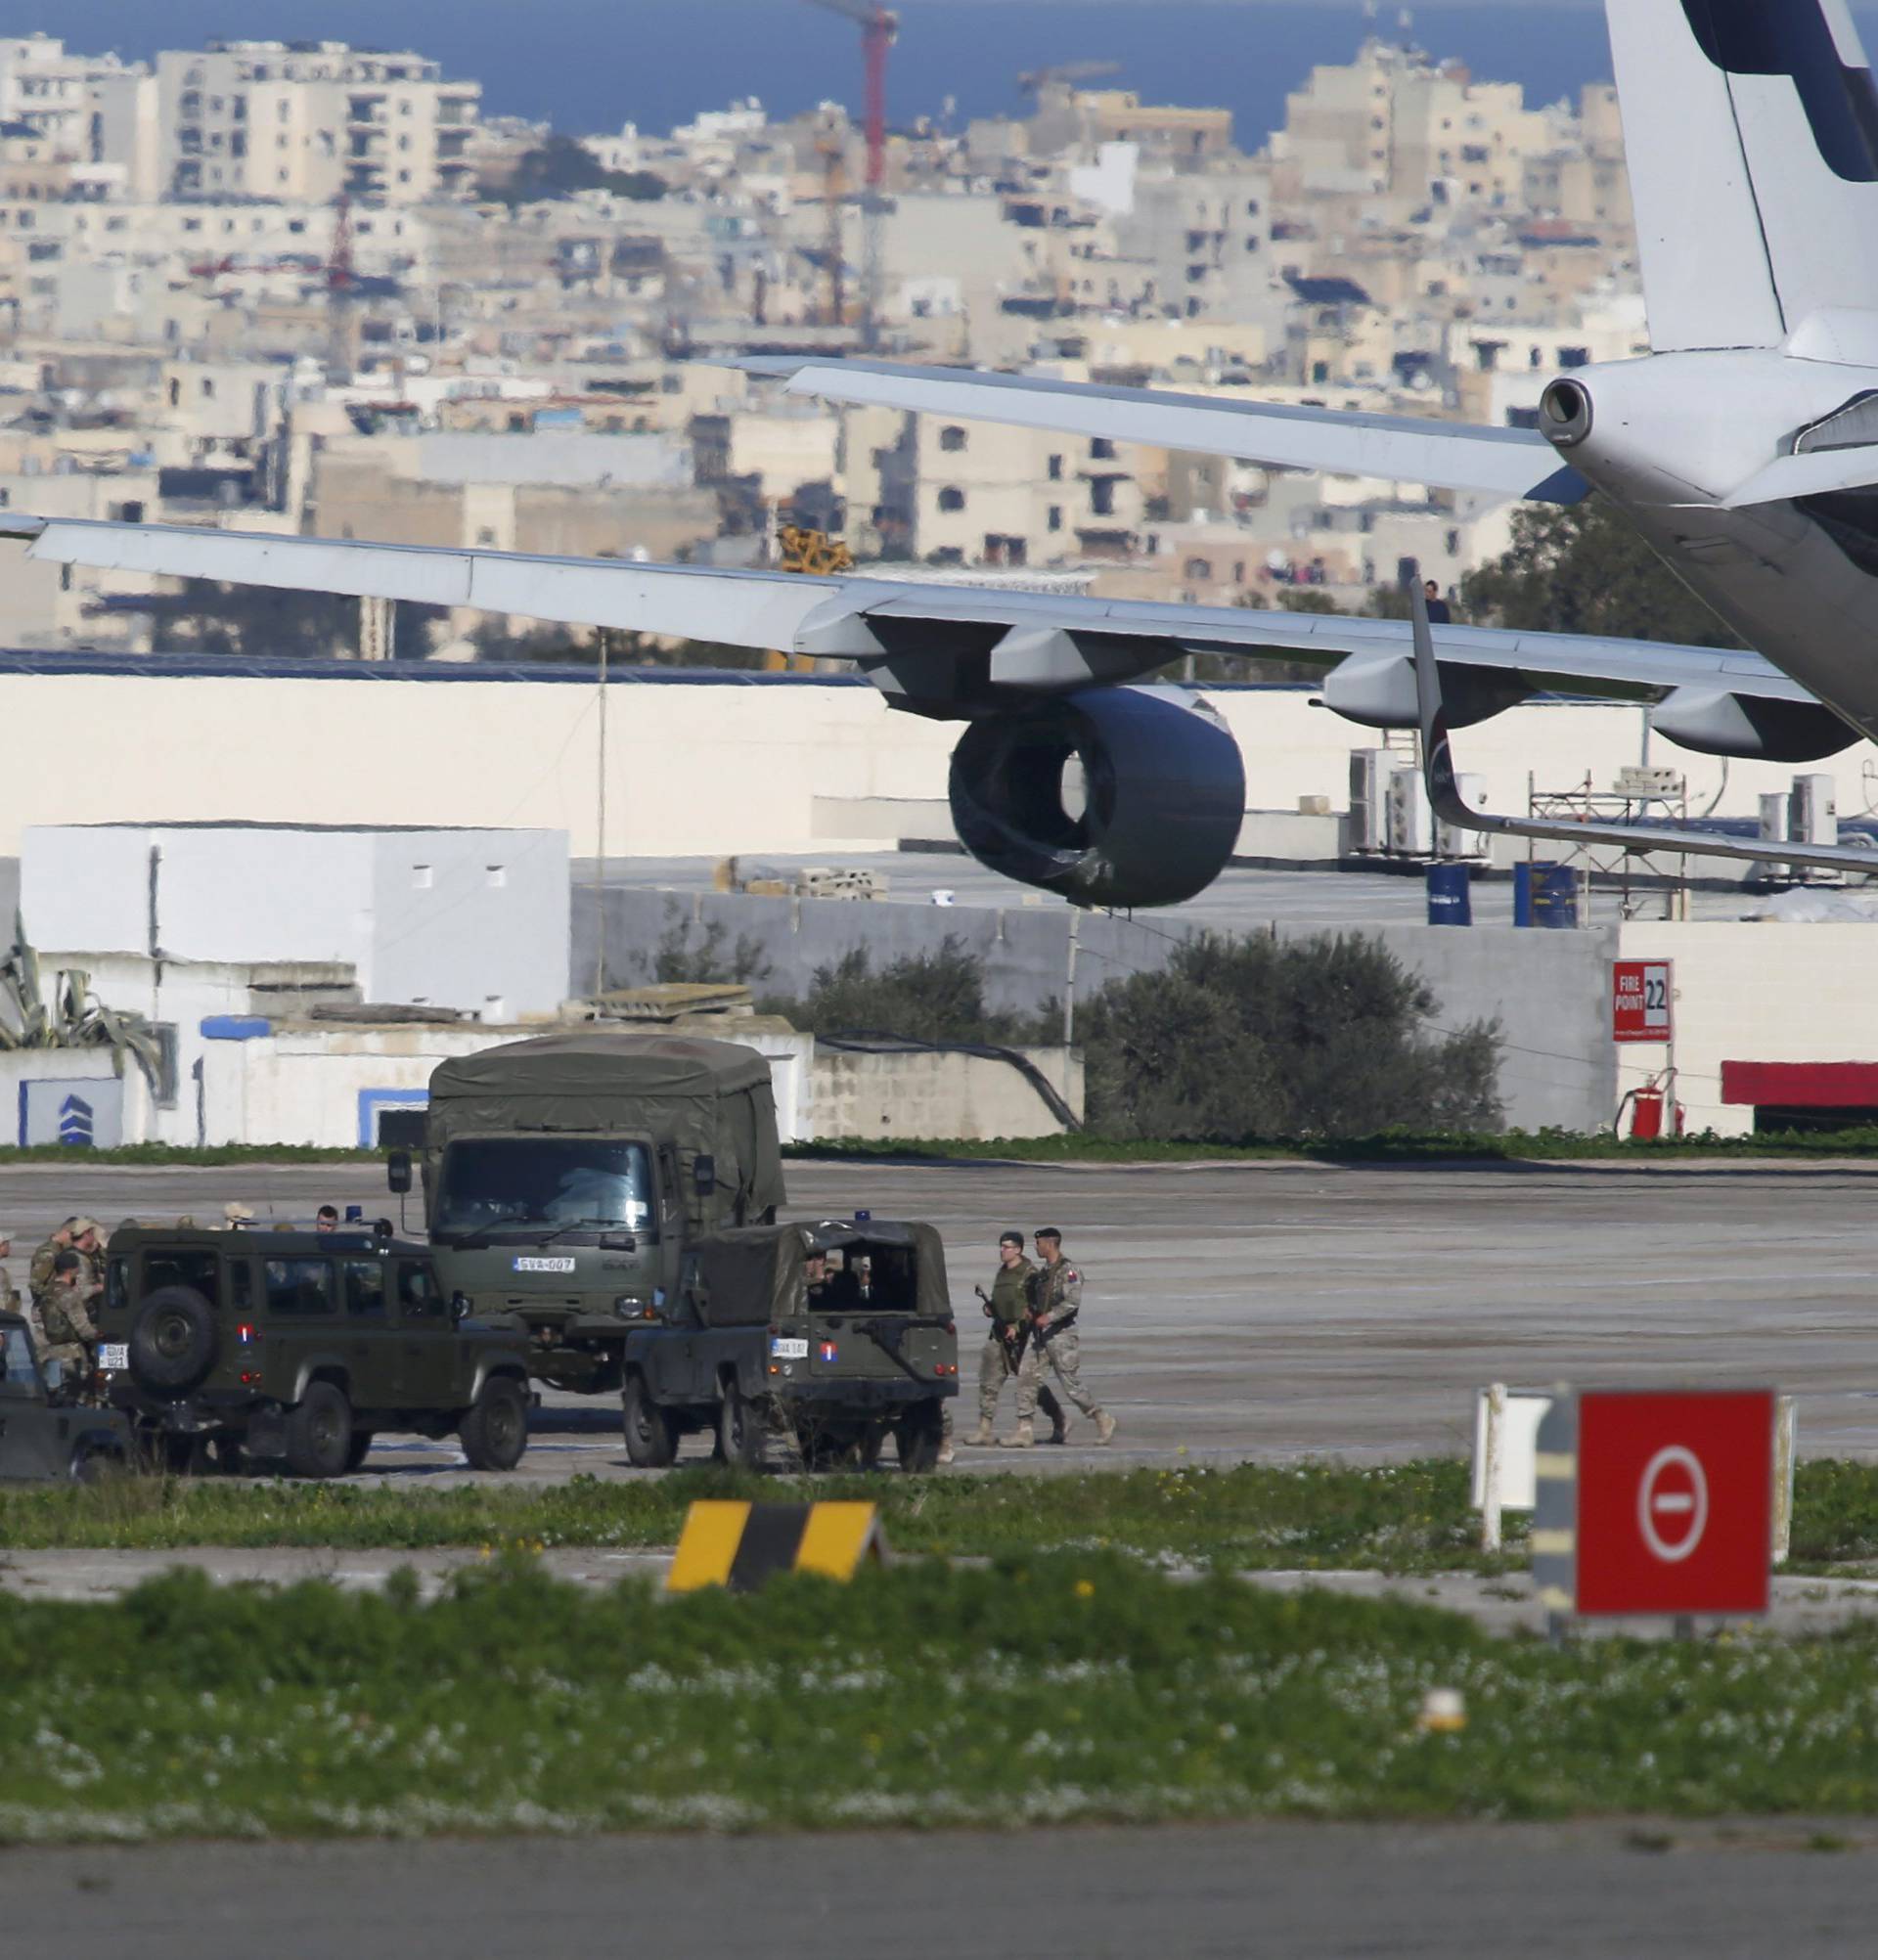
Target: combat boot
1019	1439
1104	1425
1058	1428
945	1452
981	1438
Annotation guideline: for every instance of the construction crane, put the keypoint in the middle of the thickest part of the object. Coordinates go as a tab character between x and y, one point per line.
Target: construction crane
879	29
1066	72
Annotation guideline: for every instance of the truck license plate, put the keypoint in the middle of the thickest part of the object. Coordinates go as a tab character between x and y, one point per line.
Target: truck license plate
113	1356
543	1265
782	1349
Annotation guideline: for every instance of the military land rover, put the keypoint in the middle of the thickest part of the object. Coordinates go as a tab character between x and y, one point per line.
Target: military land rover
45	1432
231	1348
817	1341
615	1193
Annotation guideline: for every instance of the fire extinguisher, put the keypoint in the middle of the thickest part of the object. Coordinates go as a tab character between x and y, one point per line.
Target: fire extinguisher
1649	1106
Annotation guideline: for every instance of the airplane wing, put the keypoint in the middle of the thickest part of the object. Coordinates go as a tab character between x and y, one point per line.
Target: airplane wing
957	652
1405	449
1446	800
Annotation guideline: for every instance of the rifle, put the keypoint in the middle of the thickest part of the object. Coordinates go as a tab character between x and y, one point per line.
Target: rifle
1013	1351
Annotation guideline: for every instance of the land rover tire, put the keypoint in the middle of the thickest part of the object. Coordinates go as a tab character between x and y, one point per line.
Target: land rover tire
173	1339
743	1428
919	1435
494	1430
651	1432
318	1432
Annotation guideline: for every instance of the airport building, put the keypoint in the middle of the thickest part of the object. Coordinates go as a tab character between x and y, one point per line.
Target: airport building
344	834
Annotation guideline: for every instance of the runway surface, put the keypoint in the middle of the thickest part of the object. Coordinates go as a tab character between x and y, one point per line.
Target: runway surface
1295	1891
1277	1312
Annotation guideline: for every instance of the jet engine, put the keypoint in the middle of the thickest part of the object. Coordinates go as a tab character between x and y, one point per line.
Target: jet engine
1112	796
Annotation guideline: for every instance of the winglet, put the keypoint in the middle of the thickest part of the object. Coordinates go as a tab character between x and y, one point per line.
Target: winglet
1450	807
1437	755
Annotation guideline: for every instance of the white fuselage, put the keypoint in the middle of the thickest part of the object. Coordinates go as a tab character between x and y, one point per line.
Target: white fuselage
1672	436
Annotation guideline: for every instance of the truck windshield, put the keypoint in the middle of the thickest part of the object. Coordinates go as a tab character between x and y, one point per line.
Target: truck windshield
539	1180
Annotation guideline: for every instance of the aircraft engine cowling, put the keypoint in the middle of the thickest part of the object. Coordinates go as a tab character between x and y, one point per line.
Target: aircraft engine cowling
1111	796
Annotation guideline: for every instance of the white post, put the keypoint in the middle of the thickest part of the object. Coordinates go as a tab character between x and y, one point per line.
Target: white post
1785	1435
606	639
1489	1472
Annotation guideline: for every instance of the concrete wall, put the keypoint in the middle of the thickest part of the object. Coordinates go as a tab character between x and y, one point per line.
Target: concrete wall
939	1095
472	919
692	766
325	1086
1551	994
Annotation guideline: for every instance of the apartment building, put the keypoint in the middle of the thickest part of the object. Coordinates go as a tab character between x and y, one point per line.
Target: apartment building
313	121
981	494
1394	125
92	111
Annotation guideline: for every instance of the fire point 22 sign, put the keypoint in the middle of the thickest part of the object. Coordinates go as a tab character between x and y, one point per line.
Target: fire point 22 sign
1641	997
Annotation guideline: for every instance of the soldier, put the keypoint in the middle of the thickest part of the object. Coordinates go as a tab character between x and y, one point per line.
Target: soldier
9	1297
1056	1303
72	1336
1007	1308
39	1274
88	1242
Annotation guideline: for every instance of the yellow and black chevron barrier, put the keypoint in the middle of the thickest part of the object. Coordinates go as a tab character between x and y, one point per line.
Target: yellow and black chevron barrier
740	1546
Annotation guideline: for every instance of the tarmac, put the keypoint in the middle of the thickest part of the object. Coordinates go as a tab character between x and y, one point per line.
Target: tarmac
1292	1891
1277	1312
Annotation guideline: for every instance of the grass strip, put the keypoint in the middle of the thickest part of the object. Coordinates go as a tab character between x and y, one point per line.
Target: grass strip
1408	1517
1068	1688
1401	1517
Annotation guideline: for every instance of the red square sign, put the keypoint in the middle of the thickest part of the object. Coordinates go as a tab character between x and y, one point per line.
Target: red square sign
1675	1502
1640	996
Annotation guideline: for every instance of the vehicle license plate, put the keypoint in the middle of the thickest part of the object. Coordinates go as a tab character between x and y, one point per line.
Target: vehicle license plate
782	1349
543	1265
114	1354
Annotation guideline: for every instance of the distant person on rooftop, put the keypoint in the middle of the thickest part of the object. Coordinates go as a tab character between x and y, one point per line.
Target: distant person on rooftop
1440	612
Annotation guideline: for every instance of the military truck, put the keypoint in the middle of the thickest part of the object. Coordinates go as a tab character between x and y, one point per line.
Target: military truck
45	1433
615	1193
565	1176
816	1341
226	1348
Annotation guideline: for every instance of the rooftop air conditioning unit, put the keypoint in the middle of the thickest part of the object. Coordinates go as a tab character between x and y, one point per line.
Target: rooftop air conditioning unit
1411	824
1369	818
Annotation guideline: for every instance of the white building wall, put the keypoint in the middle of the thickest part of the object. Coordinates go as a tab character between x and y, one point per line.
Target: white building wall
471	919
1765	993
692	769
487	911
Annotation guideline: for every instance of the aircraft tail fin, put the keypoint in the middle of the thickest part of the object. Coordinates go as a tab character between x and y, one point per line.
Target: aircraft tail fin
1752	132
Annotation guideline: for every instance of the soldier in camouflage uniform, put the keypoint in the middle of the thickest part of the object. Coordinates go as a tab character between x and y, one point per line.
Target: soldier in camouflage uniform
1007	1307
9	1296
1056	1299
65	1314
39	1274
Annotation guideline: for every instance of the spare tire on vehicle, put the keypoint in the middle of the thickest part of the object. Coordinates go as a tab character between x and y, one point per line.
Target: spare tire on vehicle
173	1339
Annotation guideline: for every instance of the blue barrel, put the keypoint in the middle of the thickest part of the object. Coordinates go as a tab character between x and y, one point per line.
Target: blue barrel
1551	895
1449	899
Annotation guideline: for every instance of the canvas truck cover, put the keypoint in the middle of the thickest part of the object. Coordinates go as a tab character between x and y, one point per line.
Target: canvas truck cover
756	1274
708	1098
